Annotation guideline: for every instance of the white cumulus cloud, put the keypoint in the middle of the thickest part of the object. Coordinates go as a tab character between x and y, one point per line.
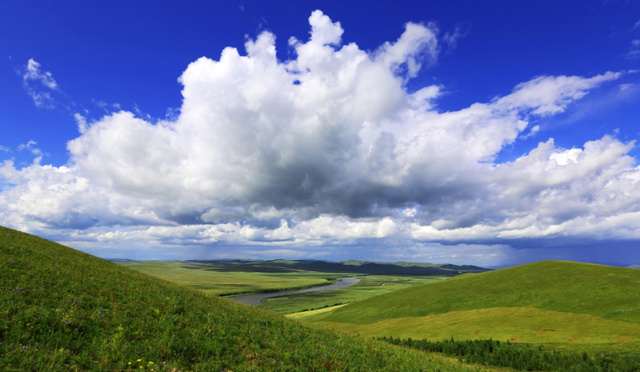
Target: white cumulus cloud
327	147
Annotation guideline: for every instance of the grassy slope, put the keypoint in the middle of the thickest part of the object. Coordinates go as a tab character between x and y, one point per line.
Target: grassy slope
61	309
602	291
541	302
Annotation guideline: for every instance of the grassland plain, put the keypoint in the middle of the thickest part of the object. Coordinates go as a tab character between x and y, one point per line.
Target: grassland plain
220	279
241	277
567	304
61	309
367	287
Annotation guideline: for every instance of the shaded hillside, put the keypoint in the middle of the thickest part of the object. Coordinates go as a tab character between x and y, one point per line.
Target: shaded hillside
601	291
61	309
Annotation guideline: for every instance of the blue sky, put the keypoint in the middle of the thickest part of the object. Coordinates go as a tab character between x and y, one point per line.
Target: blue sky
479	132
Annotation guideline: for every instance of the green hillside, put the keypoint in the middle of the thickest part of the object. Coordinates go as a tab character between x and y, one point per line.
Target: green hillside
544	302
61	309
601	291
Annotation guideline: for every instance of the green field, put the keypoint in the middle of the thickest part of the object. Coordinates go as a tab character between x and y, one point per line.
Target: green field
61	309
566	304
229	278
240	277
517	324
367	287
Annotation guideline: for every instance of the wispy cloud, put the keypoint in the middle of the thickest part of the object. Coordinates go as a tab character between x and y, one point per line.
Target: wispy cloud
634	50
33	73
450	39
39	84
31	147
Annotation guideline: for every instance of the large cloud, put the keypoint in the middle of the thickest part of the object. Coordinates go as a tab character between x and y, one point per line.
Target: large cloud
329	148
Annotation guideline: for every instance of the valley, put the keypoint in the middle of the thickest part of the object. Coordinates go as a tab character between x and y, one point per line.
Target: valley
63	309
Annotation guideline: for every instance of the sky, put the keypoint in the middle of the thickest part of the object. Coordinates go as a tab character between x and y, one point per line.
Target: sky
491	133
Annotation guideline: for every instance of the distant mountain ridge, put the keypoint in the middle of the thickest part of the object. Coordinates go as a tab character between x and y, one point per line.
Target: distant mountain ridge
351	266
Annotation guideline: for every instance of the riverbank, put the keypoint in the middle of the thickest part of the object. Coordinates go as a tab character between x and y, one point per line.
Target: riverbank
256	299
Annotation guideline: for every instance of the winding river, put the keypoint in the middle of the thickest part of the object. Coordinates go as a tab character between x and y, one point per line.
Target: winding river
256	299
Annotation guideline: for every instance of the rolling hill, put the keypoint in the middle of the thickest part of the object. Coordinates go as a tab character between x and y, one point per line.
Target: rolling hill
544	302
61	309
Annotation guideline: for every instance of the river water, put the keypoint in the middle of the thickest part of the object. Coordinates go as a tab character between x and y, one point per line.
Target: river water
256	299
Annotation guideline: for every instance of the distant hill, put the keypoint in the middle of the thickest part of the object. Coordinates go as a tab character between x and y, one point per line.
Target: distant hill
118	259
535	302
61	309
352	266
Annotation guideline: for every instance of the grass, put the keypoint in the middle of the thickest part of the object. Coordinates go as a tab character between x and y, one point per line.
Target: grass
365	288
305	314
218	279
525	357
61	309
517	324
601	291
566	304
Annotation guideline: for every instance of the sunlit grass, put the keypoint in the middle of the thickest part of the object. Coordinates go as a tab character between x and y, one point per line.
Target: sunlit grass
601	291
517	324
305	314
564	304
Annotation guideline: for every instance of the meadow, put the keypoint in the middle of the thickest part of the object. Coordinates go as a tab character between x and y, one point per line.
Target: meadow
61	309
549	315
227	278
235	277
566	305
367	287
